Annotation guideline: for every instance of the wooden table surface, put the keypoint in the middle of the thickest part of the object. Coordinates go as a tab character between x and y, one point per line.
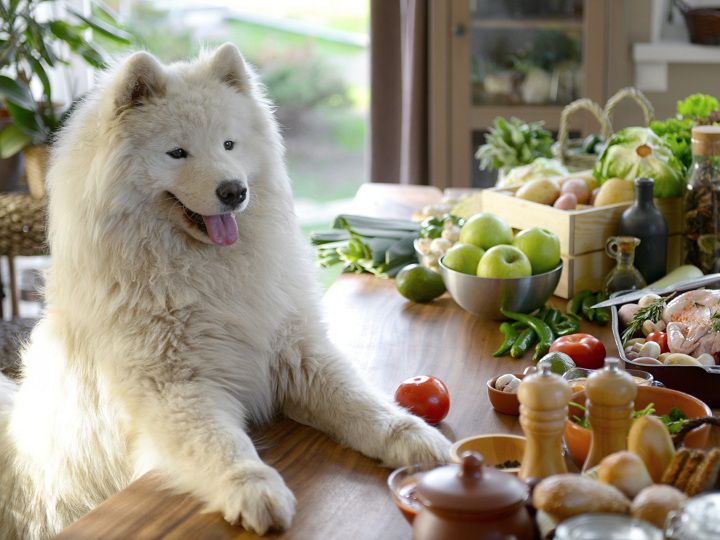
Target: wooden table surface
340	493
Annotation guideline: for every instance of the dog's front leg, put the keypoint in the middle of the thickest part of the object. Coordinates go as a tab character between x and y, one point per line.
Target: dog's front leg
324	390
194	433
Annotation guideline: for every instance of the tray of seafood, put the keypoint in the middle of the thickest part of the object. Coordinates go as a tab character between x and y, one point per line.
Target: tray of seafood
675	336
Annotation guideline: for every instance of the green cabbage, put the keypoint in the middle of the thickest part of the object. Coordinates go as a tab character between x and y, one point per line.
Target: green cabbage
634	152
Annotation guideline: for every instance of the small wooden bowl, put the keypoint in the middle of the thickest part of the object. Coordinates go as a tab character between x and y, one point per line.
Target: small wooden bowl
504	402
577	438
495	449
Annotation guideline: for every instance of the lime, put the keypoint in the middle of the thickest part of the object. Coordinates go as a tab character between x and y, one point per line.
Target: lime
559	362
419	284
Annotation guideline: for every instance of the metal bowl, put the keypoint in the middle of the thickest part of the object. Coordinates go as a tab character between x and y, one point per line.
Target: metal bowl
485	296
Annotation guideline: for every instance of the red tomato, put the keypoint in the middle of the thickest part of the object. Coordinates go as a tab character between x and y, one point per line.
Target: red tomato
424	396
660	338
586	351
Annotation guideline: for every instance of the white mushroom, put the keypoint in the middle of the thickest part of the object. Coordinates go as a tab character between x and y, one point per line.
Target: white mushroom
513	386
504	380
650	348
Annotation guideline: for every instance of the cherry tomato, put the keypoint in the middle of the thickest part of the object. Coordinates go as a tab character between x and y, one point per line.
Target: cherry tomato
660	338
424	396
586	351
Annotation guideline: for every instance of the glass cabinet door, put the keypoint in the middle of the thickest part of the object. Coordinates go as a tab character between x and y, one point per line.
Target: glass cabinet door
525	52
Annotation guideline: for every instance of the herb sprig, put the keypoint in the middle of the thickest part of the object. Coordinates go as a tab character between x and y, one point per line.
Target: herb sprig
651	312
673	420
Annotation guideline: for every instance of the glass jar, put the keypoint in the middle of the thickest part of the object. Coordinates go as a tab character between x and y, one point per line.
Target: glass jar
702	201
699	519
606	527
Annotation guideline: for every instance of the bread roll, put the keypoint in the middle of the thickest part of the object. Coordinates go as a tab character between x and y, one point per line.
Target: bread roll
566	495
654	503
626	471
650	439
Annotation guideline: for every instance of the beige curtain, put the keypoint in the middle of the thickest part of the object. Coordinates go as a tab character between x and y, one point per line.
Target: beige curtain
398	91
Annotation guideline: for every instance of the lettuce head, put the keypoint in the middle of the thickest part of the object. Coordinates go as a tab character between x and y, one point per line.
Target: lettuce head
636	151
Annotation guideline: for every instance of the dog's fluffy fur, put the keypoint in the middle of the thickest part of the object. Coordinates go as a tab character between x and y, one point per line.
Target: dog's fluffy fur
159	348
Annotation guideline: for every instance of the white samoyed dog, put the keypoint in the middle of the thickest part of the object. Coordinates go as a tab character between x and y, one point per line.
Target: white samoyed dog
181	308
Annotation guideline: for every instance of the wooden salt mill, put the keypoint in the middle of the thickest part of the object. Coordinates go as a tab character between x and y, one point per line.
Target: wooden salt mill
610	402
543	400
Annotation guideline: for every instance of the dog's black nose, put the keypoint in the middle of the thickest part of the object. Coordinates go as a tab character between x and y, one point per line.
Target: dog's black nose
231	192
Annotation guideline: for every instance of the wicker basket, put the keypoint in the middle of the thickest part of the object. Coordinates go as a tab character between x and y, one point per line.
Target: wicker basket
22	233
637	96
703	24
564	143
36	166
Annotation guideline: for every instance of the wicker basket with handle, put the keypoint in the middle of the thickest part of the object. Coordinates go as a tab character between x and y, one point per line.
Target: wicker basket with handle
564	143
637	96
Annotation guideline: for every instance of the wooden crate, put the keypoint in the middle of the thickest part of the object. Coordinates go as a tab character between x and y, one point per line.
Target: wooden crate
580	231
588	271
582	234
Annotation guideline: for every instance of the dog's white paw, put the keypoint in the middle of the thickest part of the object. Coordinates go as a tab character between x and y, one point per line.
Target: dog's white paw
410	440
259	500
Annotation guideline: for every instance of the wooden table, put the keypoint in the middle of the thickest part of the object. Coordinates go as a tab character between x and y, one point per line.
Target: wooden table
340	493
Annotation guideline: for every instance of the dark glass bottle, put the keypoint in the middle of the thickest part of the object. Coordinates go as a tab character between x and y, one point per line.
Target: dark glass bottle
644	221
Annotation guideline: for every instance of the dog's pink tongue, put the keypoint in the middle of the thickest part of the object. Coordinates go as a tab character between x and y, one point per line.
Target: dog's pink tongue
222	229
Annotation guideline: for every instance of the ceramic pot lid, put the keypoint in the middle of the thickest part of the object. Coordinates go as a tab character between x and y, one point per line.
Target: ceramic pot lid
471	487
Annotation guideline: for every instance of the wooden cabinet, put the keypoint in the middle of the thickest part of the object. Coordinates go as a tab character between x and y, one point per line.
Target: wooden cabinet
521	58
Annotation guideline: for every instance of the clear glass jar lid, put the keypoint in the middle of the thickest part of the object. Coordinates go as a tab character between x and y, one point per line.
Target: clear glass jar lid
699	519
606	527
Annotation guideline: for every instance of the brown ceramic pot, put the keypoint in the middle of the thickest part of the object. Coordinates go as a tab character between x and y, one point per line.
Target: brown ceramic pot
470	500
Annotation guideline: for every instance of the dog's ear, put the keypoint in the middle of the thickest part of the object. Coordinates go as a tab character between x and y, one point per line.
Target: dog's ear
228	65
141	77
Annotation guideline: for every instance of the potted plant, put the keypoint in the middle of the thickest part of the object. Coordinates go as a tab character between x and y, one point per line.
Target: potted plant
29	49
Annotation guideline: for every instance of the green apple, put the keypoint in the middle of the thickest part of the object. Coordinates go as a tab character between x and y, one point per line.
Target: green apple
485	231
541	246
463	258
504	262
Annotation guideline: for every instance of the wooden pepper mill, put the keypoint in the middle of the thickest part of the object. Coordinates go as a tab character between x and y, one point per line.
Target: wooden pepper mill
610	402
543	400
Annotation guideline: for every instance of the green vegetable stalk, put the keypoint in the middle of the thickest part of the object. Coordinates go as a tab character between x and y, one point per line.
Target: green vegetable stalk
363	244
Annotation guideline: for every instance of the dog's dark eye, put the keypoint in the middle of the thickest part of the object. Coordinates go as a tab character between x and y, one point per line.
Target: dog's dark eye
178	153
229	145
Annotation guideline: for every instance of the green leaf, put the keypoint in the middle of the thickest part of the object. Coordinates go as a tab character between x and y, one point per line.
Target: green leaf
104	13
92	55
12	140
39	70
66	33
23	118
105	29
36	36
13	91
